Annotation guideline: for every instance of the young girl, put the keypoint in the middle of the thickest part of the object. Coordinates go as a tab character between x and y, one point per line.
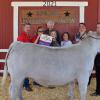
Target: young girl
65	40
41	38
54	42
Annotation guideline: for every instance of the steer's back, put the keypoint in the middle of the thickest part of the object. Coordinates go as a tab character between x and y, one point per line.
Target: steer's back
45	64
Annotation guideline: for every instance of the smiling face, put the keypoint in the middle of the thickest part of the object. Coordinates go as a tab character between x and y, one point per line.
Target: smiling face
82	28
27	28
40	30
50	25
65	37
53	34
98	28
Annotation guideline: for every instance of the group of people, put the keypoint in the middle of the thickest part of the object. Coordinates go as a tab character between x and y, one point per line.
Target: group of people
57	41
56	36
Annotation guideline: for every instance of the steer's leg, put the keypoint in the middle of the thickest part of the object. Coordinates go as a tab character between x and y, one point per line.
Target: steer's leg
83	83
20	85
71	90
16	89
13	91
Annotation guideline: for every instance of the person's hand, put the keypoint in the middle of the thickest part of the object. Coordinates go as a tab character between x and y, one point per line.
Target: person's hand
53	39
40	34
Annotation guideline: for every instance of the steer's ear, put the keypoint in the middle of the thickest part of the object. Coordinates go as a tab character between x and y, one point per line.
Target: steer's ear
91	33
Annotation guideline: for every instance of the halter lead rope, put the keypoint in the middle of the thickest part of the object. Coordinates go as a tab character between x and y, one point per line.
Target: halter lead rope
94	37
82	37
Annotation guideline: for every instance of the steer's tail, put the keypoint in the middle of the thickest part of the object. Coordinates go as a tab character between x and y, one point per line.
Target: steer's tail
5	72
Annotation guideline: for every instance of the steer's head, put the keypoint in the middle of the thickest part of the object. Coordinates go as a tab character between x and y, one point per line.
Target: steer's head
97	33
95	37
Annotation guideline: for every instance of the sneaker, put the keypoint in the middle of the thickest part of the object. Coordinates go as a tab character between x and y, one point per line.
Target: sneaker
95	94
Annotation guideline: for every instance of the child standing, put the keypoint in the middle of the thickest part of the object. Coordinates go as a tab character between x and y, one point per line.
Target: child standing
54	42
65	40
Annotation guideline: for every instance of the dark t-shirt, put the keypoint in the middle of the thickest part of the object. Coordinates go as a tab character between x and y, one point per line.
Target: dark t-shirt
58	35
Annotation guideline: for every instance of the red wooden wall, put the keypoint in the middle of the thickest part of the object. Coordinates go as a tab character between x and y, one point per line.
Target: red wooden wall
98	10
92	16
6	26
5	23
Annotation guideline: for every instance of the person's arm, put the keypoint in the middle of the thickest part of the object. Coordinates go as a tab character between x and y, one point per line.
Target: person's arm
37	39
20	38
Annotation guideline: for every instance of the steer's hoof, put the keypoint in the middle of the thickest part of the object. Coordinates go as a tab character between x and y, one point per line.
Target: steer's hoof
51	87
95	94
69	98
28	89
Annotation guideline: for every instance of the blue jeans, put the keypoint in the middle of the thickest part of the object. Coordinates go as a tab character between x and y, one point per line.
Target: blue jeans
26	83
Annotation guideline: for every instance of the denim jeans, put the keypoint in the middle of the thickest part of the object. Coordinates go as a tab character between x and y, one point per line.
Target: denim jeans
26	83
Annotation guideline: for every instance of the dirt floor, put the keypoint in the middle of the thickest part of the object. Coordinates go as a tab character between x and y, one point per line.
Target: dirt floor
41	93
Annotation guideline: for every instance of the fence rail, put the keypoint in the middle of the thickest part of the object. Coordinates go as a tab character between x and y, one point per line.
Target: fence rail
3	50
3	60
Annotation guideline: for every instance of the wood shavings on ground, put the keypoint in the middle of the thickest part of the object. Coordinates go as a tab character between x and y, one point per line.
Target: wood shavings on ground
42	93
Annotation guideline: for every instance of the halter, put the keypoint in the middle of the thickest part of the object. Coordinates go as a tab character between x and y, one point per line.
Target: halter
94	37
82	37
